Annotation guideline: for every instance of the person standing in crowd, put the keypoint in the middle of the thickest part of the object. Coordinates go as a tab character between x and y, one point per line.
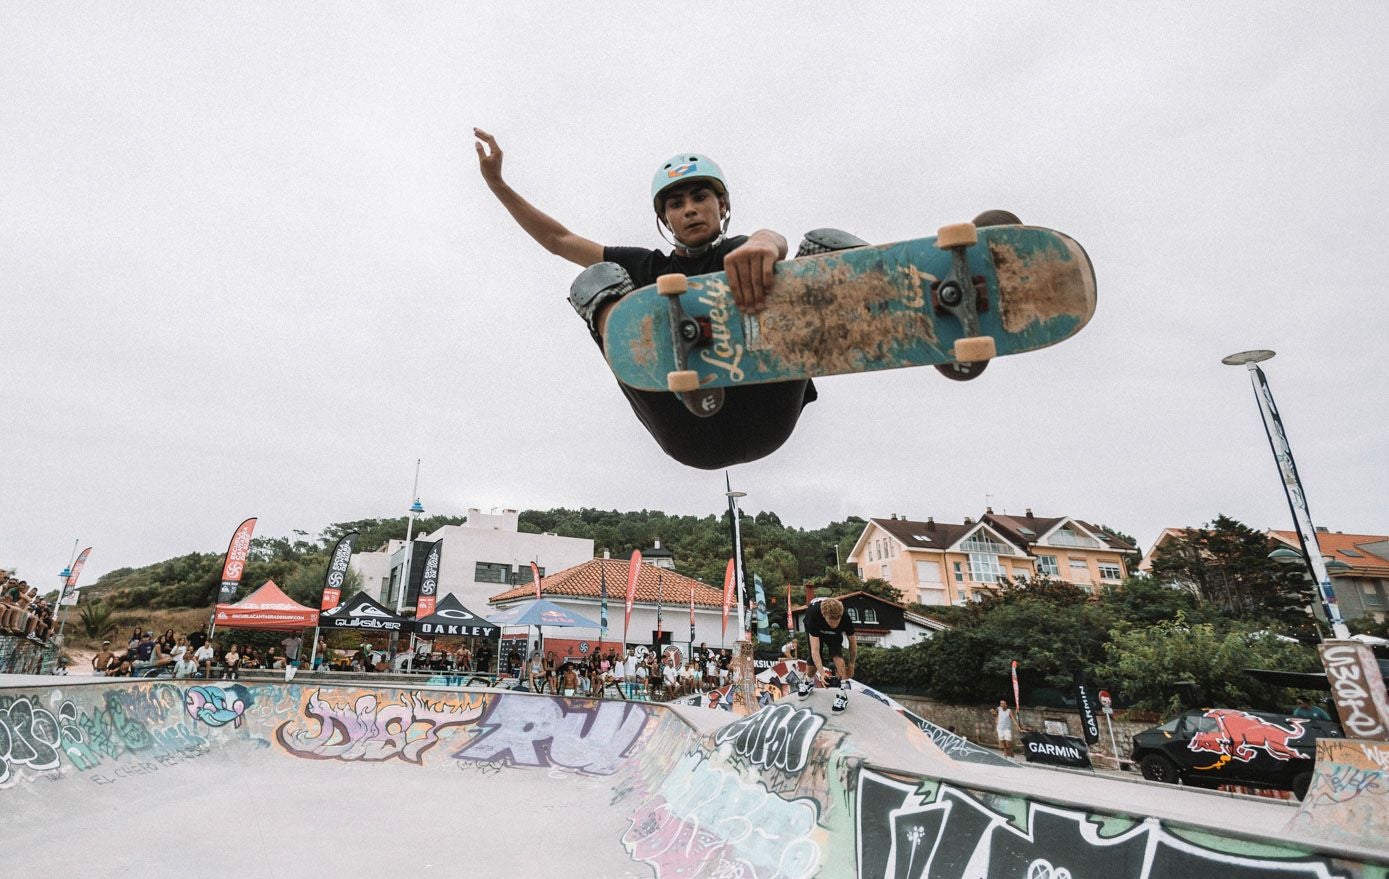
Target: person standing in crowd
104	659
1003	727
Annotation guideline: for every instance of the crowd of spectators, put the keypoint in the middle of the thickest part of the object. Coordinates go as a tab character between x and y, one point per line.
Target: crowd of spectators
637	672
188	656
23	614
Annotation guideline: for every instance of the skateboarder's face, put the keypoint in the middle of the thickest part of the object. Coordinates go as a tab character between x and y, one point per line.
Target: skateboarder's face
694	213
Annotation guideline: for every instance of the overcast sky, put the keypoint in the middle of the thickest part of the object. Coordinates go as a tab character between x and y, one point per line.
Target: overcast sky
248	266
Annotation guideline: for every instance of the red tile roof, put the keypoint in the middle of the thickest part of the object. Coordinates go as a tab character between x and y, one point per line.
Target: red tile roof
583	581
1371	551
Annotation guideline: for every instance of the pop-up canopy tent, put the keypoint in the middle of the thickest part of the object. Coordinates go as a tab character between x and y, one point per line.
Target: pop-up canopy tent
266	608
363	613
452	619
541	613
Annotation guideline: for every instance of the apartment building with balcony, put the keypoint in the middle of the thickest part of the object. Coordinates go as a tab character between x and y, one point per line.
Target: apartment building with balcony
939	563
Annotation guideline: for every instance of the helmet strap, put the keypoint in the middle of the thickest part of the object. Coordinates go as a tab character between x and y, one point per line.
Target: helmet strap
685	250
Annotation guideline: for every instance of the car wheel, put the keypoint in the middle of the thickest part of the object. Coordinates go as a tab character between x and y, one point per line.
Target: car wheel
1301	782
1157	767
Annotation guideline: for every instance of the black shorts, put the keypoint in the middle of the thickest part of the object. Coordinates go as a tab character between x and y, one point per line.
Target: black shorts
754	422
831	646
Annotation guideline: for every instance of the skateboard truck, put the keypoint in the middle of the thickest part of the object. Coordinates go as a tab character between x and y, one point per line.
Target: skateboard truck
687	333
958	295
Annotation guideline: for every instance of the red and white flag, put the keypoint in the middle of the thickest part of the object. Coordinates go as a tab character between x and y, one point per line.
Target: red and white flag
535	575
727	596
633	572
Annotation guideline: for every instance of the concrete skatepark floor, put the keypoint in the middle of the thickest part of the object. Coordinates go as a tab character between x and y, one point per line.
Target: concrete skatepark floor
249	780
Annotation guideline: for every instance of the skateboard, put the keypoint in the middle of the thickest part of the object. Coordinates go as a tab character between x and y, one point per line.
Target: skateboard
965	296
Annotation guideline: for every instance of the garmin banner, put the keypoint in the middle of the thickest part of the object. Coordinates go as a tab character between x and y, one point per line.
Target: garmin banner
452	619
361	612
429	583
1054	750
1089	717
238	550
337	570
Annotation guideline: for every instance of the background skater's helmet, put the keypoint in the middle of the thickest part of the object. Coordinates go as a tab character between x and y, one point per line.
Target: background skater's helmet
682	169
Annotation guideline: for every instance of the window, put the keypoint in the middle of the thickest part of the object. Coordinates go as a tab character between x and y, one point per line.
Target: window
1109	571
853	614
1046	564
959	573
1371	594
1067	537
932	596
492	572
928	573
1080	571
885	573
921	538
870	617
984	567
523	574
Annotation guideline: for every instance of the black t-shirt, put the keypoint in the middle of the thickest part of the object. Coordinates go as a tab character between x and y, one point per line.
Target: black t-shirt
755	419
816	625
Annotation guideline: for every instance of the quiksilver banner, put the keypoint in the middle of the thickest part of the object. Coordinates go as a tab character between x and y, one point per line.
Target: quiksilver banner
338	564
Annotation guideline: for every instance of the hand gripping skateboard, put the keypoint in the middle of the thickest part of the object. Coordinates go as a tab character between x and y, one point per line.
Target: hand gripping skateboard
965	296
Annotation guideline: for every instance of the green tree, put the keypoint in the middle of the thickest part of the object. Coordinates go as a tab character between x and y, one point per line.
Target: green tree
96	621
1227	566
1144	664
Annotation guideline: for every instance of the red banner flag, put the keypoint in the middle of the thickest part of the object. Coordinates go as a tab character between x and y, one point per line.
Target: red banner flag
235	565
790	625
68	594
727	595
633	571
535	575
1017	702
692	624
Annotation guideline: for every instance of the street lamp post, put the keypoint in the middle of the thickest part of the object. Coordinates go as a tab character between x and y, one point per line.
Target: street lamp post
1292	485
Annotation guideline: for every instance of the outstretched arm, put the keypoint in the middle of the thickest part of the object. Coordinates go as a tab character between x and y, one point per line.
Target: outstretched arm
547	231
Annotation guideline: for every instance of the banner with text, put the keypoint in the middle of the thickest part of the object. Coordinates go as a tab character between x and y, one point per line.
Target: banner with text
238	550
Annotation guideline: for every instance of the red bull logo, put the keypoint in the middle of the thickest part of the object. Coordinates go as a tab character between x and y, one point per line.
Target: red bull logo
1241	736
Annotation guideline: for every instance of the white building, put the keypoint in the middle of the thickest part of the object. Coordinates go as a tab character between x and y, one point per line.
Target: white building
483	556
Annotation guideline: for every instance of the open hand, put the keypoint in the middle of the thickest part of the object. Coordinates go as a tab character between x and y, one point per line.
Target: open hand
489	157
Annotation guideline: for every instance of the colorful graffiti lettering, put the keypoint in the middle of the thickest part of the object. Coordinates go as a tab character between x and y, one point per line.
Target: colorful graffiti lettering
909	830
543	731
777	737
215	706
359	727
705	821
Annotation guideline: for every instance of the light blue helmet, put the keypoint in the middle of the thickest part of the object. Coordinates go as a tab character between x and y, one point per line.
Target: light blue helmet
682	169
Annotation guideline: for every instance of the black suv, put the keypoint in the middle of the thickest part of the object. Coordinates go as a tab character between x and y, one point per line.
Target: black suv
1207	747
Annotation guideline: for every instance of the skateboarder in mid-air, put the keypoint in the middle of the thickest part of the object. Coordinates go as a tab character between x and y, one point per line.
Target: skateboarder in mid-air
692	206
826	626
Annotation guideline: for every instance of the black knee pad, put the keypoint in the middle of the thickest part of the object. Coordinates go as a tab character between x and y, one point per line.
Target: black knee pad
827	241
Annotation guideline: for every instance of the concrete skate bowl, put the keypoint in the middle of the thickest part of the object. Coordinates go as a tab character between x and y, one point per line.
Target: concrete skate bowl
272	780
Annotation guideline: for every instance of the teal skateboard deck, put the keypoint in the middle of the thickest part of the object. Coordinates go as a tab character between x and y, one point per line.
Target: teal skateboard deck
964	296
